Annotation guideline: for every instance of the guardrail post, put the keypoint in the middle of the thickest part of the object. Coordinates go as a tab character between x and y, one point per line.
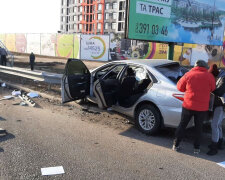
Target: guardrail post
49	86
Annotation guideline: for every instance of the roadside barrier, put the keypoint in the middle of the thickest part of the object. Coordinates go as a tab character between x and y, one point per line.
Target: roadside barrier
50	78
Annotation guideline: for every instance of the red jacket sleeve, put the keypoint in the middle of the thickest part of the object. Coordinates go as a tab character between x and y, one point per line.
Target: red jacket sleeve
181	85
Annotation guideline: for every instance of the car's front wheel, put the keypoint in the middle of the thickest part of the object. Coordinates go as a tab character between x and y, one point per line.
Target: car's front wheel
147	119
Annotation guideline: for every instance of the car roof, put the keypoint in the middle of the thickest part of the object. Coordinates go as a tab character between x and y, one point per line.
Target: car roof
148	62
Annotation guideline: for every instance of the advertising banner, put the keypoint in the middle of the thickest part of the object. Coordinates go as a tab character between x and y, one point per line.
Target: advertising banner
188	54
223	58
34	43
48	42
21	43
182	21
124	49
95	47
76	49
65	45
2	38
10	42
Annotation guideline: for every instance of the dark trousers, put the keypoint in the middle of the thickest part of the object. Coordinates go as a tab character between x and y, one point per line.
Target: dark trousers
31	65
186	115
3	60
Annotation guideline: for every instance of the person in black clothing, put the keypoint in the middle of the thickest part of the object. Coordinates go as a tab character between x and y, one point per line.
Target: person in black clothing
3	55
32	59
216	125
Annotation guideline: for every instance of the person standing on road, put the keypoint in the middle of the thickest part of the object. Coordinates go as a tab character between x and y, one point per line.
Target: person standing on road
3	55
197	85
32	59
216	124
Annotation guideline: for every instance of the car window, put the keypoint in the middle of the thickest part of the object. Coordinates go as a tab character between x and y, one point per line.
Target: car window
140	73
172	71
103	71
114	72
76	67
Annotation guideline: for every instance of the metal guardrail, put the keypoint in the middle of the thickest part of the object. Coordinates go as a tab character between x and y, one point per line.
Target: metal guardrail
50	78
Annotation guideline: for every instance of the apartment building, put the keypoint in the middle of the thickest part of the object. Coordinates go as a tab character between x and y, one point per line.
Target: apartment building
93	16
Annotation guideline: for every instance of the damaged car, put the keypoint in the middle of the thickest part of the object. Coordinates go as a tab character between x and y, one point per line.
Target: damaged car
144	90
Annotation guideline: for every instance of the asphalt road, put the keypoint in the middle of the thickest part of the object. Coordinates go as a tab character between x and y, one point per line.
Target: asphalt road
92	145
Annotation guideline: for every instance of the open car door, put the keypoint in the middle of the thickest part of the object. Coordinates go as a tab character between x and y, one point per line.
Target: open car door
106	88
75	81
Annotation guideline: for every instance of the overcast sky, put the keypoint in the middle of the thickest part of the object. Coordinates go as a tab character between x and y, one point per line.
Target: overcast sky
29	16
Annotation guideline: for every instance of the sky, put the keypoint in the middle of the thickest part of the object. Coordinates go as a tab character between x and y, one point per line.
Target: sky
30	16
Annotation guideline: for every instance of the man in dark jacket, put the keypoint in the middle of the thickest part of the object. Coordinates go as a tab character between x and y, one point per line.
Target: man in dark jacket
3	55
32	59
197	85
216	125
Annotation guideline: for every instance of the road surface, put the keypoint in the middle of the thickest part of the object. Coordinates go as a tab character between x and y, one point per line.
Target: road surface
92	144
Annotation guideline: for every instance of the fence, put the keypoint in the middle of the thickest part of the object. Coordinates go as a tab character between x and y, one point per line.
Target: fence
108	47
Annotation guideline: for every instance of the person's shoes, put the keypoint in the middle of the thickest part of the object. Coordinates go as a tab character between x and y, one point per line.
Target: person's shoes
196	151
213	149
175	148
220	144
212	152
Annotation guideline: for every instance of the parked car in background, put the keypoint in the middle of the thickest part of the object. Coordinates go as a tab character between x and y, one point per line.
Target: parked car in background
154	102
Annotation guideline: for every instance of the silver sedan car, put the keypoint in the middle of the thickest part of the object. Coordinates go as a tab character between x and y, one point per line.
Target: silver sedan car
145	90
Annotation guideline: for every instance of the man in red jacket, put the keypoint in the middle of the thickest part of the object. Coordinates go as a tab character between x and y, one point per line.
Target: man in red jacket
197	85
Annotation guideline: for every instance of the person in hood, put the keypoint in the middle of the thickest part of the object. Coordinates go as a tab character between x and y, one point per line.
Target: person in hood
32	59
197	84
216	125
3	55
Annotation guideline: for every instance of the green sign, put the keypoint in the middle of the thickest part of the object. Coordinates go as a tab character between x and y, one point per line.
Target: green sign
181	21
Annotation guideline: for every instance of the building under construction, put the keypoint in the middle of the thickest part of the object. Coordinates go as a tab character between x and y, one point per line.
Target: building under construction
93	16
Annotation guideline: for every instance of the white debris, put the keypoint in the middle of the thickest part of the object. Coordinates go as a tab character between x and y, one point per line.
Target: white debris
7	97
16	93
109	109
23	104
52	171
3	85
27	100
33	95
222	164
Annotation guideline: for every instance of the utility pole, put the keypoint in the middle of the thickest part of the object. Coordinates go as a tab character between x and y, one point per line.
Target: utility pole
170	50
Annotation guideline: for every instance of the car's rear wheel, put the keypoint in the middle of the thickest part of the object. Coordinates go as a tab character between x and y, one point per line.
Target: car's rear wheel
147	119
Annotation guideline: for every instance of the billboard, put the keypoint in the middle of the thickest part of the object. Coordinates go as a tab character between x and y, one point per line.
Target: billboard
48	42
21	43
64	45
182	21
95	47
125	49
189	54
10	40
33	43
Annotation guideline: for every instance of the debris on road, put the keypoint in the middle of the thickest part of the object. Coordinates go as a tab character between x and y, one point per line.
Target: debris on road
33	95
52	171
89	111
23	104
6	98
3	85
2	132
27	100
222	164
16	93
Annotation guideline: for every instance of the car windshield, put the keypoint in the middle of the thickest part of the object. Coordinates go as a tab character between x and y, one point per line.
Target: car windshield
172	71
